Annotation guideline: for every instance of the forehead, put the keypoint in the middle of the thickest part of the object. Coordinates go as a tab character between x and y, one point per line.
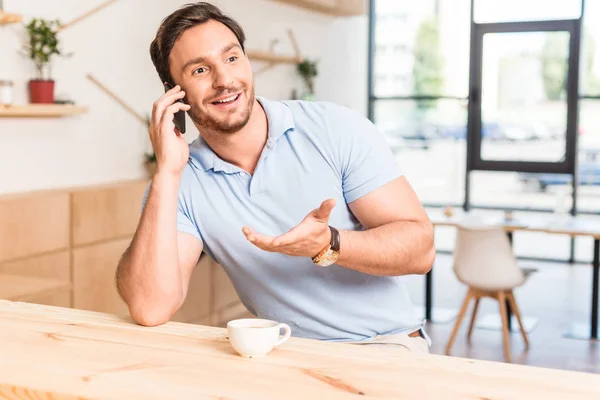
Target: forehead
204	40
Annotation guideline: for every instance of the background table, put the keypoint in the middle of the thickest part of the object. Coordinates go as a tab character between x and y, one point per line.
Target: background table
571	226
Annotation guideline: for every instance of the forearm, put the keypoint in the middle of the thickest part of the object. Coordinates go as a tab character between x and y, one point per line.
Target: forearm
148	277
397	248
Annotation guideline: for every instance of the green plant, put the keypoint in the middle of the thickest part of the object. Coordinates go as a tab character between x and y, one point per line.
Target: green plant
150	157
307	69
428	67
43	44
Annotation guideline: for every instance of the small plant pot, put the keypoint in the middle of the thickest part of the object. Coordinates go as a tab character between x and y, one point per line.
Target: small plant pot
150	168
41	91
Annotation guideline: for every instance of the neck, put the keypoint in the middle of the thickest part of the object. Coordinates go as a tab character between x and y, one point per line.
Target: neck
244	147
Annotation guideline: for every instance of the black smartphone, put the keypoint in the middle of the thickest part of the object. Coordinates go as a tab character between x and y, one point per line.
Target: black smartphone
179	118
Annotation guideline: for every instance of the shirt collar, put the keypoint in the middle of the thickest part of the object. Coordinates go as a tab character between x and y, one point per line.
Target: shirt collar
279	119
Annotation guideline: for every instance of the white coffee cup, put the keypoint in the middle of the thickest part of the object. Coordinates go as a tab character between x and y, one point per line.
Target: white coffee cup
253	337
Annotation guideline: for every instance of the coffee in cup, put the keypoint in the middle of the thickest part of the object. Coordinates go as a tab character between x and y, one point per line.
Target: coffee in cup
253	337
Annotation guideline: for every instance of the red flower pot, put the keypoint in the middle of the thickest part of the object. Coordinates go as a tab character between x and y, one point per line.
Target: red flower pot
41	91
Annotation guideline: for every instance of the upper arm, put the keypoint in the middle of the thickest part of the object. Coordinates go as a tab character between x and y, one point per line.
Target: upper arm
189	249
374	187
189	240
365	160
189	243
394	201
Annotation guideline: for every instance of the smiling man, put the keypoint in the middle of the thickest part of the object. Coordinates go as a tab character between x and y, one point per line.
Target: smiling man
302	203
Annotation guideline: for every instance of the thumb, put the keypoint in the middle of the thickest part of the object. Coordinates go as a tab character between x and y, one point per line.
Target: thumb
322	213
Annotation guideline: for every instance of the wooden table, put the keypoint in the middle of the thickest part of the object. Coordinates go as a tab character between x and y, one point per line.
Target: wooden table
571	226
51	352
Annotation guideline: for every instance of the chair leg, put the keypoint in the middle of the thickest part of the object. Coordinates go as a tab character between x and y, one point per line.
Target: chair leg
503	313
515	309
477	298
461	315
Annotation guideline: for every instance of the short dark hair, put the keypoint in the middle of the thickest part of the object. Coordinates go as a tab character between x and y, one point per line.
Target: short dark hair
173	26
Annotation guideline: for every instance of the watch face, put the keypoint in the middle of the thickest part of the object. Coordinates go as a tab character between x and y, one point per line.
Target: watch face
329	258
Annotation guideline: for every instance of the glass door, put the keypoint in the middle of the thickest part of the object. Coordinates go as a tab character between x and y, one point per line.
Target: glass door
523	103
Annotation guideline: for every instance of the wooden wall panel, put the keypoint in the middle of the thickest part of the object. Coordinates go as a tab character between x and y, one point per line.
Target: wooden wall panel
33	224
78	236
197	303
59	299
94	269
28	288
106	213
206	321
54	266
221	317
223	292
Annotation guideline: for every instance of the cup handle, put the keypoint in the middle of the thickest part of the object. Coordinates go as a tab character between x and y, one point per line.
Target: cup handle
286	335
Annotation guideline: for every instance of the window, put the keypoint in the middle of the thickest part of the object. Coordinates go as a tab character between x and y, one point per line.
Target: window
429	43
419	101
524	107
526	10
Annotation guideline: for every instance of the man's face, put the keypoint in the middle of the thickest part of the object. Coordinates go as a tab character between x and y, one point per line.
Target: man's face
209	64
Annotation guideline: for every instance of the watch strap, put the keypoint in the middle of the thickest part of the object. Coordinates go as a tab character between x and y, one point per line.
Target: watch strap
335	239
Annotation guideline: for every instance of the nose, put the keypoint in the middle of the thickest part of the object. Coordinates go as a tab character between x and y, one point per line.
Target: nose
222	78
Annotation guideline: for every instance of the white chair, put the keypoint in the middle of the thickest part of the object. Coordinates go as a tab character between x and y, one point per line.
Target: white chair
484	261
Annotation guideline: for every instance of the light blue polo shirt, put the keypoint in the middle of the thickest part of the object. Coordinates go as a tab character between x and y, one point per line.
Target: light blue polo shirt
314	151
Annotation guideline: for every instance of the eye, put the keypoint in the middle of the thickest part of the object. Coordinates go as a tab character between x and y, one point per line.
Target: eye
199	70
232	58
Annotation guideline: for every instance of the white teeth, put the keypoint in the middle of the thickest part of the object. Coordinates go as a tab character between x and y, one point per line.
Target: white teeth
227	100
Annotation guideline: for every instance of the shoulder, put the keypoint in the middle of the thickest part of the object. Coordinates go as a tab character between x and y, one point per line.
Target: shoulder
330	117
321	110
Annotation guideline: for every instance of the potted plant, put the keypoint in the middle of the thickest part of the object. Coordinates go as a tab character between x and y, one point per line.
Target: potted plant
307	70
149	158
41	46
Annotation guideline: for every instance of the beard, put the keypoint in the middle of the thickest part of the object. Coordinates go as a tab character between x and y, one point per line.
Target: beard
219	124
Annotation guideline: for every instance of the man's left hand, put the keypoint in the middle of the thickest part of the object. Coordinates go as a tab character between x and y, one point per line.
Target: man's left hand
306	239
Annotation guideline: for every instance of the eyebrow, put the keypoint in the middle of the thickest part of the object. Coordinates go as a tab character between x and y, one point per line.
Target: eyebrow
198	60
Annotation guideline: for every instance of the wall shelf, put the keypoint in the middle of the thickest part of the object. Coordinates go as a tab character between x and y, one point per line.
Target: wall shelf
272	57
339	8
41	110
8	18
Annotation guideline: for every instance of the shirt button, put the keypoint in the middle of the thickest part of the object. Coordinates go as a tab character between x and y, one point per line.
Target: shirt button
270	144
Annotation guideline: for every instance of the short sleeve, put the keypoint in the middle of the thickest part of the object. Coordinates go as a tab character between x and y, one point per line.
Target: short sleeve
366	160
184	221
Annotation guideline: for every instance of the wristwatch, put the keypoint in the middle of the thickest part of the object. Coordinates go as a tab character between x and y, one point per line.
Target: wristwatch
330	254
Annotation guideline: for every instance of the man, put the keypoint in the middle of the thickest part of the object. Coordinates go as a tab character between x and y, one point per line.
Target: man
244	190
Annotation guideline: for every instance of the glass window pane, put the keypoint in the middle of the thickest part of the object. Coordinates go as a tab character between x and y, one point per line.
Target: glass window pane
588	197
526	10
524	106
590	51
421	48
422	131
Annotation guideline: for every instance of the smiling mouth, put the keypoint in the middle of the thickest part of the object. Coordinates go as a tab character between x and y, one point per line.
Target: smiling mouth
228	100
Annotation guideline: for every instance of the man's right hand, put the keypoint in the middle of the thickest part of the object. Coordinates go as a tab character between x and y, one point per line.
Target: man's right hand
171	148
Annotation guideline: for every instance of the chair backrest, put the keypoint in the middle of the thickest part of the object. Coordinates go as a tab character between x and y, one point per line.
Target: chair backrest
484	259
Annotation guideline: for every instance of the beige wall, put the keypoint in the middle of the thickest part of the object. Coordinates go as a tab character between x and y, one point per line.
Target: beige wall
107	144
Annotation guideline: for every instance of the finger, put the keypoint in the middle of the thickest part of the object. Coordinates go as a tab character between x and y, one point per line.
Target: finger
265	242
172	109
166	100
168	94
324	211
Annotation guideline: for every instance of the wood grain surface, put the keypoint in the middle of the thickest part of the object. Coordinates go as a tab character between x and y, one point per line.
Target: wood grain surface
52	352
